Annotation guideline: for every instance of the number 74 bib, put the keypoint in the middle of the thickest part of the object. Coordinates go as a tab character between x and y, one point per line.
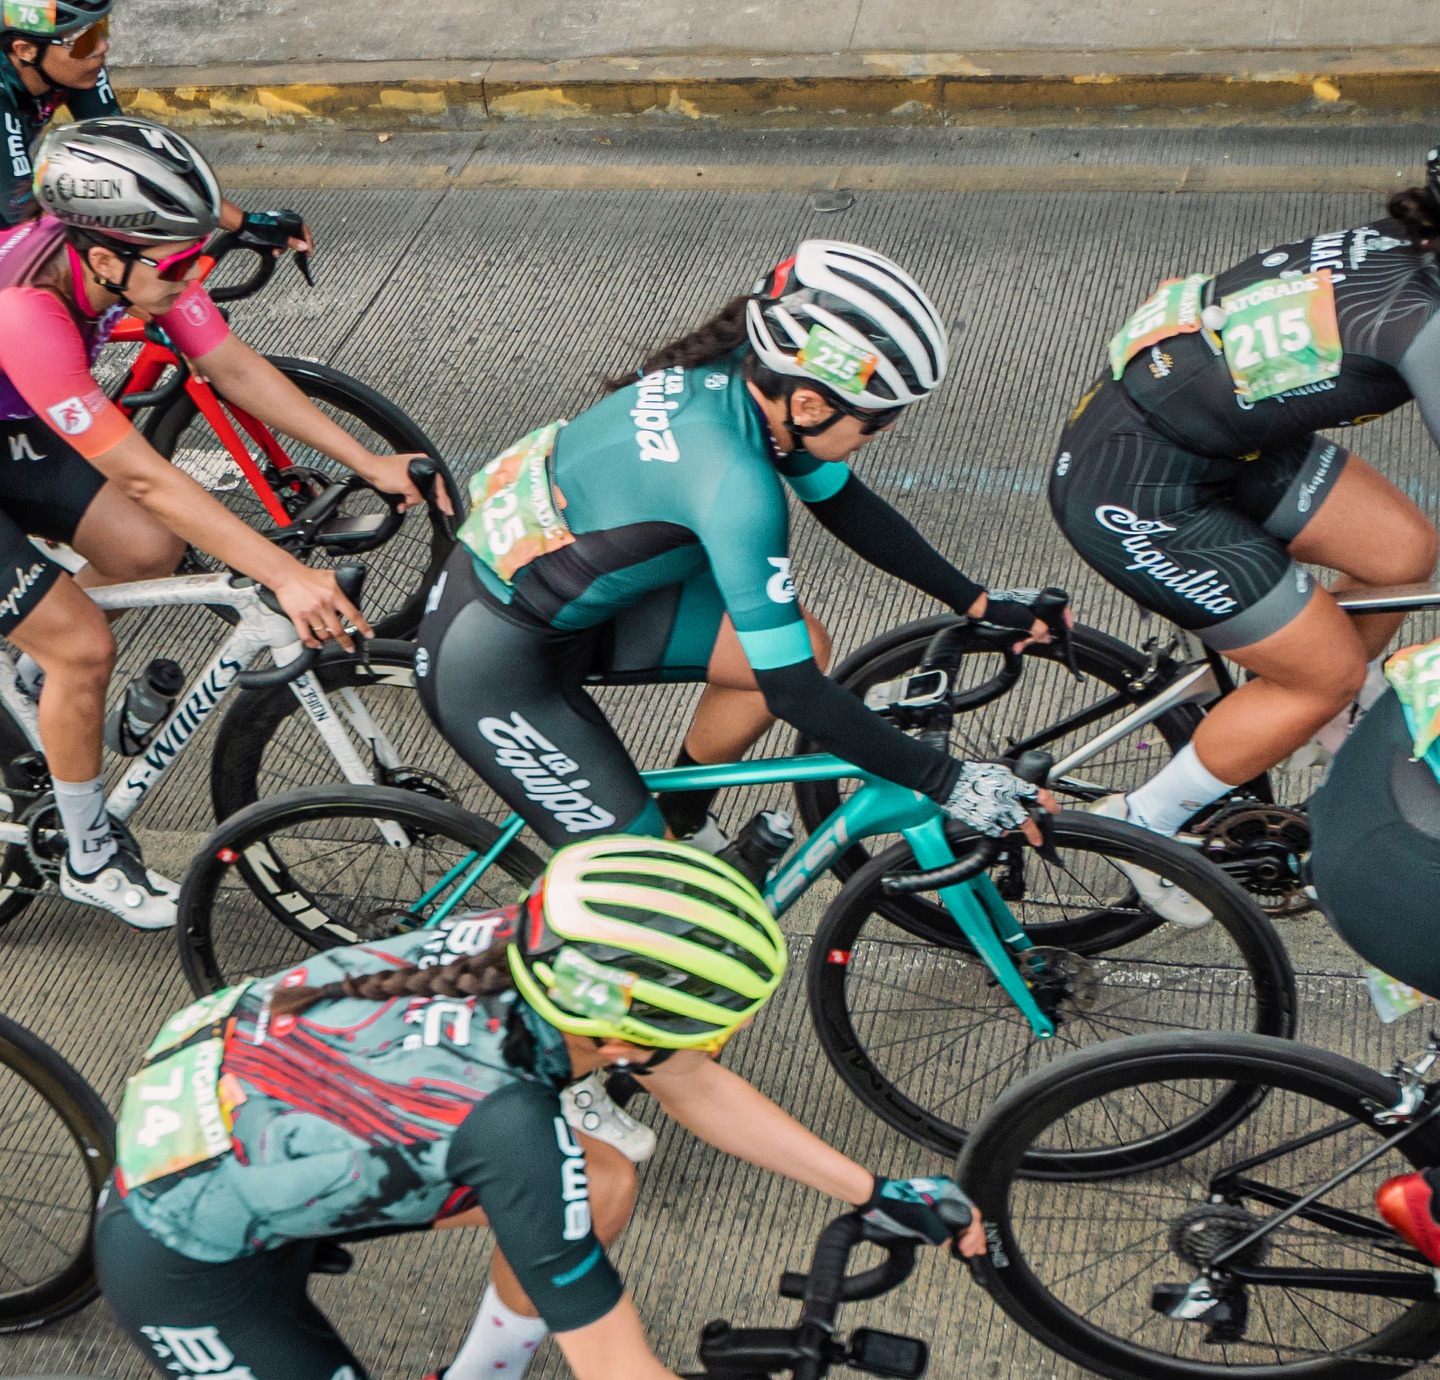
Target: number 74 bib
1281	334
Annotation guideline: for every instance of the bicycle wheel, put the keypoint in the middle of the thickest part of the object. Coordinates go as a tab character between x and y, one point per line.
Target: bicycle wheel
311	870
1050	696
1077	1264
267	744
57	1148
403	569
914	1023
20	882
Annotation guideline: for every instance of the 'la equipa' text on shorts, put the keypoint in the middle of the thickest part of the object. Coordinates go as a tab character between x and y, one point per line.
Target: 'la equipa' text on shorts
1200	540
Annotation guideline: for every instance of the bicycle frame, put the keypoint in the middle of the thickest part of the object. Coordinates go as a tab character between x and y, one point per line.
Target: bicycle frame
878	807
257	628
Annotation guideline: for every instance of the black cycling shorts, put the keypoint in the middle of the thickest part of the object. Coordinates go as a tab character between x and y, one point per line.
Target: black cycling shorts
250	1317
45	487
507	692
1375	860
1200	539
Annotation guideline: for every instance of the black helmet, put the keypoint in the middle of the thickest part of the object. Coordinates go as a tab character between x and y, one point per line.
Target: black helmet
50	18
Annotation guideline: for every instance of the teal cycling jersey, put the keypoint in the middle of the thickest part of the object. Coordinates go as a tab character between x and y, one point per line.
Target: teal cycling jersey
672	475
360	1118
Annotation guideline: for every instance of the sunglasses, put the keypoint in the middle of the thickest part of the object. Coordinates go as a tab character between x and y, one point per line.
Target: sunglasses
871	420
84	43
173	267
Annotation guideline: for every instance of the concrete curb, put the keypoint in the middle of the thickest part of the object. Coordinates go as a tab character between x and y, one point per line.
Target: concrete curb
904	88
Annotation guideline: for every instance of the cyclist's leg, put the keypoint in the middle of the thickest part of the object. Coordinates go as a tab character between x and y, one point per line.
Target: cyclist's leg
506	695
240	1317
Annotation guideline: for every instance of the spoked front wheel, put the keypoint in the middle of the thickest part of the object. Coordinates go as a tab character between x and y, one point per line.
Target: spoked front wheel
334	865
57	1147
1098	1270
914	1022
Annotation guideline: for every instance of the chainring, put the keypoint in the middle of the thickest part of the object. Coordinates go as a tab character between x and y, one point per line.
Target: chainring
1260	846
419	782
1199	1234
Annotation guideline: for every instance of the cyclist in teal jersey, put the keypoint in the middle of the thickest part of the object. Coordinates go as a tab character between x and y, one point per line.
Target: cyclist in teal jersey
414	1082
648	541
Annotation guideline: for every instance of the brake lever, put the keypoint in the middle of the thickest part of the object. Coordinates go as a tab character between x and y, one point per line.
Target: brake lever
302	262
1050	608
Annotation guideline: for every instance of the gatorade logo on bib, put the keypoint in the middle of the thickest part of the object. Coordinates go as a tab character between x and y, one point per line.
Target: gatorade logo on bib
1281	334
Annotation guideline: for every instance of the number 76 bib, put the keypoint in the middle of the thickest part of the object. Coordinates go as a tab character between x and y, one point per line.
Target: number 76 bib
1281	334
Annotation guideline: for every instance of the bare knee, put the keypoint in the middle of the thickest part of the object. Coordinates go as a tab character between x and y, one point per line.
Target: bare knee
84	654
614	1187
820	644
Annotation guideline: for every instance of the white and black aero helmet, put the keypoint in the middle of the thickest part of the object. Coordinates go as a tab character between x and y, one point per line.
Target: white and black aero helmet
897	350
128	180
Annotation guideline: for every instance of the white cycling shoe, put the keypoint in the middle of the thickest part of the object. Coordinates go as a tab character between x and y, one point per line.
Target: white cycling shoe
125	887
1162	896
589	1108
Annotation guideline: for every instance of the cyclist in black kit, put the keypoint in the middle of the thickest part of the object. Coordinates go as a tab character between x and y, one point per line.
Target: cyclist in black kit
1193	478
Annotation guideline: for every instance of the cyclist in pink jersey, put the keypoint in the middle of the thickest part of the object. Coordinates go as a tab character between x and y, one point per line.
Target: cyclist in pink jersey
129	206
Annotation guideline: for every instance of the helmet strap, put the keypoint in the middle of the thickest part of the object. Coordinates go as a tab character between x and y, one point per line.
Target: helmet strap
38	66
818	428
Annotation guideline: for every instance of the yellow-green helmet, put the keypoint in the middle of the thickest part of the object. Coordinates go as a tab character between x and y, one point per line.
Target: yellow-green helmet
649	941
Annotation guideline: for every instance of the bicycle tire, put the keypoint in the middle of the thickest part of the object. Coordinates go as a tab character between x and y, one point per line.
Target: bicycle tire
399	590
287	902
992	1169
91	1129
839	970
1097	655
20	883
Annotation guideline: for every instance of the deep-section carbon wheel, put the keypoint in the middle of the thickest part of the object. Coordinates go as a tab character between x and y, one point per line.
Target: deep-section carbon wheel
1332	1293
915	1024
334	865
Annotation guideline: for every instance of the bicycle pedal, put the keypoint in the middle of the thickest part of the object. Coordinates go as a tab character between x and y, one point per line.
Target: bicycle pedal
887	1353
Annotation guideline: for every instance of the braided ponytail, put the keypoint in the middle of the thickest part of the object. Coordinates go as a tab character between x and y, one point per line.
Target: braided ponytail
473	975
712	340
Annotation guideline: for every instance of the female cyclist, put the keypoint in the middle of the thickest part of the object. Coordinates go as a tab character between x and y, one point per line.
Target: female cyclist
129	207
1193	478
414	1082
648	541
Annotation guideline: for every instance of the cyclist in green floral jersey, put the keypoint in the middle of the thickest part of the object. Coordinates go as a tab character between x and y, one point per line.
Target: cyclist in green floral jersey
414	1083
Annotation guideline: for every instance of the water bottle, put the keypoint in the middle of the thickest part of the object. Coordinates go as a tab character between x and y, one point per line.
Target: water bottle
144	707
760	845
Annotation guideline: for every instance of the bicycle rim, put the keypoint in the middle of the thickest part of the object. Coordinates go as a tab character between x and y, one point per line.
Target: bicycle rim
56	1151
401	571
1049	695
1075	1264
312	870
916	1026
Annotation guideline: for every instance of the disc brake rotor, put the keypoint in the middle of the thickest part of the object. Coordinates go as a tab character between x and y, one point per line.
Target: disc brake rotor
1261	847
1059	979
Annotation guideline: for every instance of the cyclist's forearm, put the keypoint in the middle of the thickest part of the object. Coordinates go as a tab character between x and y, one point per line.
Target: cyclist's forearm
250	381
612	1348
188	511
725	1111
874	530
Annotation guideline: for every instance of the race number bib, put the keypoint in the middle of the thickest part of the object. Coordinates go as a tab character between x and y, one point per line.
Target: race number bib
834	360
1281	334
177	1111
513	518
1172	309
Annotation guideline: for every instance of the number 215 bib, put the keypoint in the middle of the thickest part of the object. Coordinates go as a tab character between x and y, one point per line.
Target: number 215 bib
1281	334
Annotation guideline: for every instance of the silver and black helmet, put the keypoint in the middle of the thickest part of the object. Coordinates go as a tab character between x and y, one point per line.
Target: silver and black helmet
128	180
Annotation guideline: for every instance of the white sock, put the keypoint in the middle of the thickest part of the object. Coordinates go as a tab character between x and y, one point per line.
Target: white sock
1169	798
32	677
1332	736
87	827
501	1343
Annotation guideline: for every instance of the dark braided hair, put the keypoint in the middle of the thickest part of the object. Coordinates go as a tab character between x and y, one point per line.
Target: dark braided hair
1418	210
474	975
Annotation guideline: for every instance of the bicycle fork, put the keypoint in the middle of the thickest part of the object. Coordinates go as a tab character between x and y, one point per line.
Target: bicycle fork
985	920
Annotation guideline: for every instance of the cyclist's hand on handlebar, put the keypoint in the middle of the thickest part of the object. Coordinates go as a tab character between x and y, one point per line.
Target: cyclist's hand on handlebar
934	1210
1014	608
391	474
314	604
992	800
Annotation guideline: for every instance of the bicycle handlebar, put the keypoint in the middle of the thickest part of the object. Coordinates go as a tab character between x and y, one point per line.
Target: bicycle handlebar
268	250
351	579
316	524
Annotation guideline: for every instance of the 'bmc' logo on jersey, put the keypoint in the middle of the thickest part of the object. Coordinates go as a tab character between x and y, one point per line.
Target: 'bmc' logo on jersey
15	147
574	1186
780	587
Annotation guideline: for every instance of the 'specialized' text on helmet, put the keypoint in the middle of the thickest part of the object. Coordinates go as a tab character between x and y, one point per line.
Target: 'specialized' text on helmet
648	941
126	179
852	320
50	18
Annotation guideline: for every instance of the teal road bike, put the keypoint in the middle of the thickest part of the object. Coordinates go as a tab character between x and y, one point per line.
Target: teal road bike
944	968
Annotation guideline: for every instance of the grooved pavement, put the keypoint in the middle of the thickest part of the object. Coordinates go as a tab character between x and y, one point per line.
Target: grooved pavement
486	311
